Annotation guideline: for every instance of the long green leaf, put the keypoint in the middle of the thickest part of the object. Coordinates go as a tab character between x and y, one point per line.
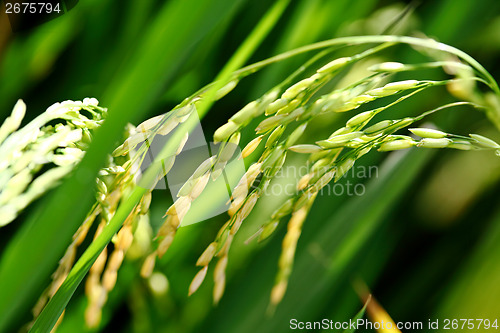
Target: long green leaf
359	315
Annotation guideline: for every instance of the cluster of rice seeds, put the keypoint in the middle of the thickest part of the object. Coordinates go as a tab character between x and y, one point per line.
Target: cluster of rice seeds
211	168
194	186
113	183
228	136
103	273
289	246
293	104
289	107
191	189
329	165
162	125
243	200
26	150
285	109
432	138
241	207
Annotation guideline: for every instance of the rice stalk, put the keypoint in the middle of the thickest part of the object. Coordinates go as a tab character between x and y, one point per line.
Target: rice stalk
26	150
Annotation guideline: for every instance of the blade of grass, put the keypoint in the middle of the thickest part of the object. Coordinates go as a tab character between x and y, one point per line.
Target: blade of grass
56	305
474	289
359	315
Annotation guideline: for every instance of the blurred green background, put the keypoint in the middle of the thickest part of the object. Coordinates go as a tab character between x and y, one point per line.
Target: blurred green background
425	237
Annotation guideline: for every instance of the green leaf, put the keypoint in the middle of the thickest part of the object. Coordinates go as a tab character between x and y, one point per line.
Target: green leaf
359	315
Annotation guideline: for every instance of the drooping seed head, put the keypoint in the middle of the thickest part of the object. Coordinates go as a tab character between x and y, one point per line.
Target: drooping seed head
267	230
165	244
227	150
380	92
320	165
278	292
396	145
245	114
304	198
186	188
362	99
434	143
390	67
276	105
249	204
360	118
125	237
199	186
304	181
149	124
275	136
226	89
207	255
343	167
340	131
289	108
225	131
219	290
168	126
401	85
296	134
269	123
148	265
253	171
339	140
116	260
272	158
285	209
396	125
428	133
251	146
334	65
484	141
220	272
15	119
305	149
324	180
298	87
238	221
204	167
197	280
461	145
295	114
266	100
347	106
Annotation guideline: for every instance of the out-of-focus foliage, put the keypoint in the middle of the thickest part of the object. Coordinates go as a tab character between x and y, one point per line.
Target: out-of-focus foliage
424	236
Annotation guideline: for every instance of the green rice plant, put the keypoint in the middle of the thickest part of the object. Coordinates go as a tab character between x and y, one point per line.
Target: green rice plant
27	150
280	118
